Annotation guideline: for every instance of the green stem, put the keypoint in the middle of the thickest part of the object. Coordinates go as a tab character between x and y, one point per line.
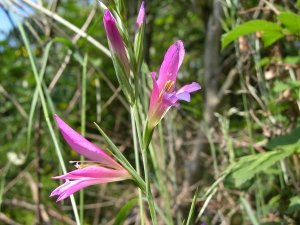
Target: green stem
148	189
146	170
137	164
83	116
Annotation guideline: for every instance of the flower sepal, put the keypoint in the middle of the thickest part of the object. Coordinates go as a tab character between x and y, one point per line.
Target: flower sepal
147	136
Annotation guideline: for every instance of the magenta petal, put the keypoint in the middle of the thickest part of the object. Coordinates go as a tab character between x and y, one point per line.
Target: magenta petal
184	96
113	32
189	88
115	39
141	16
95	172
83	146
171	63
155	91
70	187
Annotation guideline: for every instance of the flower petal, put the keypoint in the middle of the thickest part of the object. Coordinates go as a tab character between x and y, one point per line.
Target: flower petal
115	39
184	96
95	172
171	63
141	16
189	88
155	92
83	146
70	187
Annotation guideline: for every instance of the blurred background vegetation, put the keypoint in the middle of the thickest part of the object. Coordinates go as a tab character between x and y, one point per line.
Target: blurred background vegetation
237	140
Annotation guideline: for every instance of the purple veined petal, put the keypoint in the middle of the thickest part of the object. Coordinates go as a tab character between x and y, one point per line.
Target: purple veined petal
83	146
171	64
155	92
189	88
185	96
95	172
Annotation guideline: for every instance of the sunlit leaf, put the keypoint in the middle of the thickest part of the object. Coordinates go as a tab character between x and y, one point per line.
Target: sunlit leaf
291	21
121	216
251	27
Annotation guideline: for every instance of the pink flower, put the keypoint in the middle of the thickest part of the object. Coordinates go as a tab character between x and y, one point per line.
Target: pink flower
163	95
115	41
141	19
102	168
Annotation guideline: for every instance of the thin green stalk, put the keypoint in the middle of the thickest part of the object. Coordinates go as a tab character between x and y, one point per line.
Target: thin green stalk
213	150
161	184
148	189
83	119
137	163
45	111
146	168
174	168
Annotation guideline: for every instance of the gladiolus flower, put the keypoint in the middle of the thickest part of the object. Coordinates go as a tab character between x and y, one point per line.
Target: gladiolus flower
163	95
102	168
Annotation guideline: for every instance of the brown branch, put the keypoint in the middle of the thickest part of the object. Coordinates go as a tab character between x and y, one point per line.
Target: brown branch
7	220
17	105
32	207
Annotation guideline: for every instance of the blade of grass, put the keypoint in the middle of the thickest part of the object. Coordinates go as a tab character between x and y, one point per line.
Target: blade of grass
249	211
45	110
83	118
191	213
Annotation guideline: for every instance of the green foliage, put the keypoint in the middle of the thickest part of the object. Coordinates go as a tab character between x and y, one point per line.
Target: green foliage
265	180
271	32
121	216
282	86
248	166
291	21
280	148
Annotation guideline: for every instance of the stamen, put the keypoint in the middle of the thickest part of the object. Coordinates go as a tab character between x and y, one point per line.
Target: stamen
92	163
160	96
169	85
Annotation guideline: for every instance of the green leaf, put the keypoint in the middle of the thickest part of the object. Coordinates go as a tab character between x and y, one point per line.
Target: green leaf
294	205
270	37
282	86
291	59
248	166
298	4
285	141
192	209
123	212
291	21
282	147
251	27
